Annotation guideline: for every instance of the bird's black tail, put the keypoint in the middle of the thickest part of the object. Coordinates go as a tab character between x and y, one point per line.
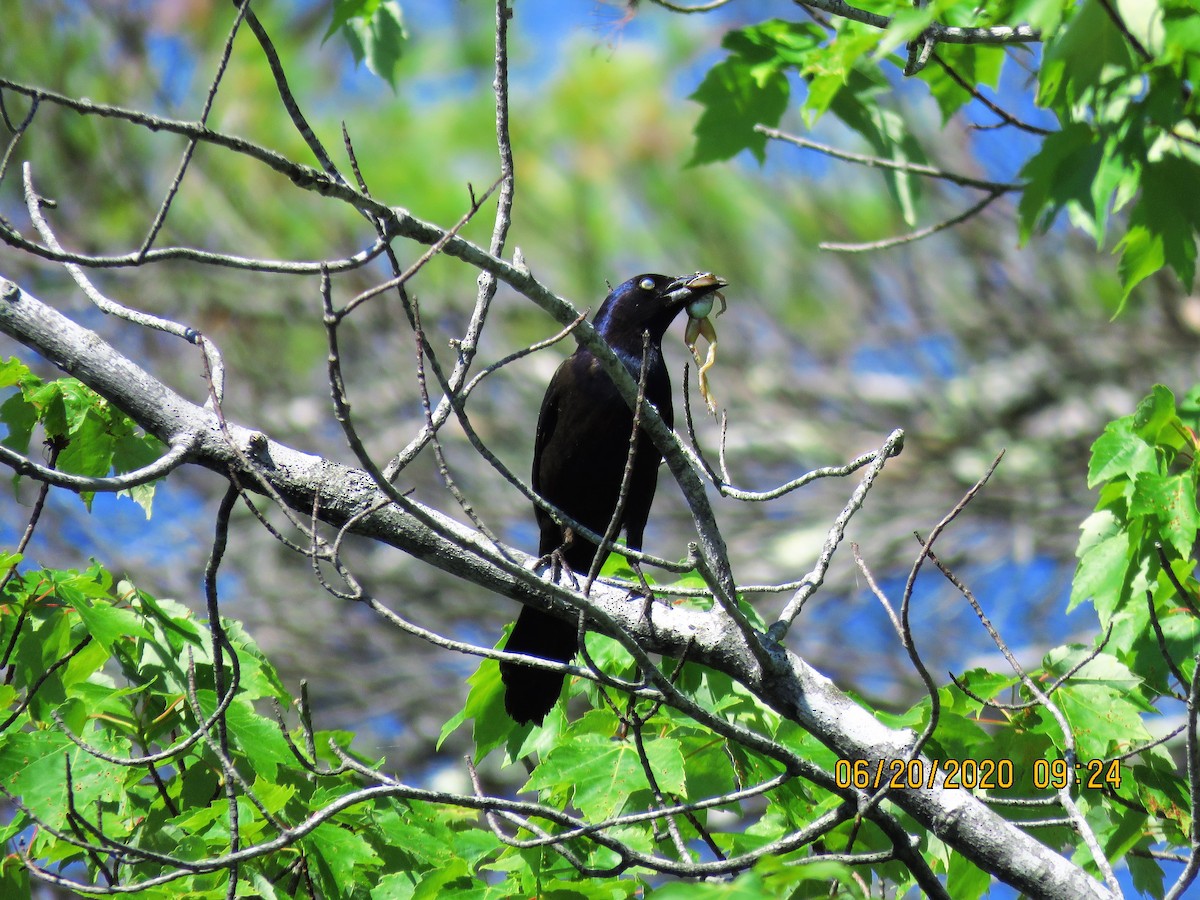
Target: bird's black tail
530	693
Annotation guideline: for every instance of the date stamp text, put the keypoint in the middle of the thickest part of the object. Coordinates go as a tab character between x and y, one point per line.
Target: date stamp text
972	774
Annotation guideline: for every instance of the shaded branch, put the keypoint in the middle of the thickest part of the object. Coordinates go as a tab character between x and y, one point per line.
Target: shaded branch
949	34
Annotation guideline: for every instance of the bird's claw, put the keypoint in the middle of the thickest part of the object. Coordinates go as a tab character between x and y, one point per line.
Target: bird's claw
643	592
558	567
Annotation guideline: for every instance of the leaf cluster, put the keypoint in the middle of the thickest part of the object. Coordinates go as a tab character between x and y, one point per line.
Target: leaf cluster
1117	77
86	434
109	744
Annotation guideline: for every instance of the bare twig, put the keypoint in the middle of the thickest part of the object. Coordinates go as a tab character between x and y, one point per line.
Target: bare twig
1163	650
193	254
618	513
1130	38
1074	814
906	598
53	448
699	8
18	131
1188	875
285	92
660	801
879	162
173	751
752	638
219	644
33	203
917	235
1185	596
36	686
1054	686
161	217
175	457
814	579
1006	118
487	281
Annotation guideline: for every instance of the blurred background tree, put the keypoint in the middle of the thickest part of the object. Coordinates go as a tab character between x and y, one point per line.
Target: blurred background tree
968	342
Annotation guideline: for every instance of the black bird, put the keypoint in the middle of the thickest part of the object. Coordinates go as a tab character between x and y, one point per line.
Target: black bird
579	457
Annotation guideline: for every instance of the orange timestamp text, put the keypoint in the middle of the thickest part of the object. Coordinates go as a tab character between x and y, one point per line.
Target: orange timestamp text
971	774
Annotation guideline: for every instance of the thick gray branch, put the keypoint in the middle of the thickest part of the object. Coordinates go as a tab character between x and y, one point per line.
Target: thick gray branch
306	482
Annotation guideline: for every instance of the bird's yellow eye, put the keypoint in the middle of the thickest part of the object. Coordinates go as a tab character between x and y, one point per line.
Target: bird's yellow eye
646	284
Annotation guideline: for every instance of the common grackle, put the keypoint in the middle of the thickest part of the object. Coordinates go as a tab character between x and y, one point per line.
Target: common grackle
579	459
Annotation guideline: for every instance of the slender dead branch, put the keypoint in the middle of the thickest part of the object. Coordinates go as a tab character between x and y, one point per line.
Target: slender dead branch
879	162
920	234
814	579
160	217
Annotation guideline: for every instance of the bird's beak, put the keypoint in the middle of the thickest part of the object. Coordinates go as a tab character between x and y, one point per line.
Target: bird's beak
687	288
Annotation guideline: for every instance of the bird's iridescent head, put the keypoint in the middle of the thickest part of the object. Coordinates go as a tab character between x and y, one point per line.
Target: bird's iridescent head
651	302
